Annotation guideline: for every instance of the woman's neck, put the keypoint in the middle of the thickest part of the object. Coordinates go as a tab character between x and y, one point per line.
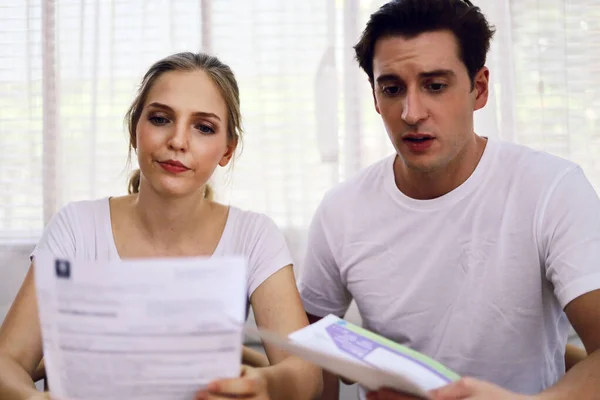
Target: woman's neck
171	221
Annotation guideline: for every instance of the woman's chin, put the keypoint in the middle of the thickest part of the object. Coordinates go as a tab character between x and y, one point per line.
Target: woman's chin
176	189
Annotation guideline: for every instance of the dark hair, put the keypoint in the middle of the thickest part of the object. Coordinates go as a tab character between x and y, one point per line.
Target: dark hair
221	75
410	18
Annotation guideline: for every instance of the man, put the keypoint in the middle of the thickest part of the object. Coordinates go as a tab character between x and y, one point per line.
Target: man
473	251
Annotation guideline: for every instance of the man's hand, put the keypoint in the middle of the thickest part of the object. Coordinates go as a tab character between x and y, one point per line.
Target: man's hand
474	389
251	385
388	394
465	388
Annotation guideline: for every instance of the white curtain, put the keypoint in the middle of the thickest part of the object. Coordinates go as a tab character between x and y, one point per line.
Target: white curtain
69	68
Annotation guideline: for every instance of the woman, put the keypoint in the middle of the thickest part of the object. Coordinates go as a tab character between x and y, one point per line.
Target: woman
184	122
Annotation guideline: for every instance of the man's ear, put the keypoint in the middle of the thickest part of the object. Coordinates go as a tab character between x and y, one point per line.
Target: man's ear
481	88
374	97
229	152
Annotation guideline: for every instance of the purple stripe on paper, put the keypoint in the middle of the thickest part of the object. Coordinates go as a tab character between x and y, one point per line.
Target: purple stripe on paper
360	347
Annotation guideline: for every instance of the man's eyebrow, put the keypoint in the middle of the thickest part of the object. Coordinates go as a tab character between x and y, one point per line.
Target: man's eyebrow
437	73
388	78
197	113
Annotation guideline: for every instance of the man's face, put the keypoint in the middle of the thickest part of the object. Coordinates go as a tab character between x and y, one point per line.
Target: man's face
423	93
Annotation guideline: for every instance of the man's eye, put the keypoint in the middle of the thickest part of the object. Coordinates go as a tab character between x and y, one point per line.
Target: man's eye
391	90
436	87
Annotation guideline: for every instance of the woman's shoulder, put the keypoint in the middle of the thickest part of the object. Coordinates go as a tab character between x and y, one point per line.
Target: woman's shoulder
81	211
250	231
256	236
73	226
251	221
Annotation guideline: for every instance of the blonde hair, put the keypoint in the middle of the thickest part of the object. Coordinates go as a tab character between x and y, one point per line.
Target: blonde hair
221	75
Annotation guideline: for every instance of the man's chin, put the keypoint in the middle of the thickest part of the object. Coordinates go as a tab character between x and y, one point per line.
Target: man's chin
420	165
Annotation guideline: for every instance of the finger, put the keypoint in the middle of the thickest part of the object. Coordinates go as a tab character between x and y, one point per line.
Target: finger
347	381
372	396
229	397
209	396
237	387
212	396
201	395
460	389
246	371
51	397
389	394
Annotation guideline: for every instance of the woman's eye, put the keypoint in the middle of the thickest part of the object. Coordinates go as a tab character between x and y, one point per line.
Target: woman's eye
158	120
205	129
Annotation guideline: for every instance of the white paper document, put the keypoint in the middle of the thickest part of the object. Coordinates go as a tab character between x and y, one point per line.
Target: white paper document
362	356
140	329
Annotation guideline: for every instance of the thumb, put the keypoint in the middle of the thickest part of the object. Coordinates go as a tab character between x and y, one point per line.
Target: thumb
460	389
246	371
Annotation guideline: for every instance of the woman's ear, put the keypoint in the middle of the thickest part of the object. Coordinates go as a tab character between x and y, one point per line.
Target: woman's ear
133	140
229	152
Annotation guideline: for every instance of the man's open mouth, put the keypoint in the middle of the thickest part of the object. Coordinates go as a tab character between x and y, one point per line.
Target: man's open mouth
418	139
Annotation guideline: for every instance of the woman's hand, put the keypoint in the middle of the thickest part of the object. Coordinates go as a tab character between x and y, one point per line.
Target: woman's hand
43	396
251	385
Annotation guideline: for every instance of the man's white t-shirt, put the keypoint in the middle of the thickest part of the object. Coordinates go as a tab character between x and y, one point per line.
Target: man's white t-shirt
477	278
83	230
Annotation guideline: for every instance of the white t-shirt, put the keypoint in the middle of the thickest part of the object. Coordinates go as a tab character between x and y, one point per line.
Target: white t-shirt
477	278
83	230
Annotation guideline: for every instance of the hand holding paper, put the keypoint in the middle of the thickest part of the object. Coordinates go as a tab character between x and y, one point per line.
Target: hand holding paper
362	356
250	385
143	329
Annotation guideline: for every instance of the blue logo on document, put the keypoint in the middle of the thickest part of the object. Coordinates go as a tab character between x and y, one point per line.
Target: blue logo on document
62	268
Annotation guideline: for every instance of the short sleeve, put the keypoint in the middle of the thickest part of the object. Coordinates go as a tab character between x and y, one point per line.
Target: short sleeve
320	284
269	252
58	238
570	231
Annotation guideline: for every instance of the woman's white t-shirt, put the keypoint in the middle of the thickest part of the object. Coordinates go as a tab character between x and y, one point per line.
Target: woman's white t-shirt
82	230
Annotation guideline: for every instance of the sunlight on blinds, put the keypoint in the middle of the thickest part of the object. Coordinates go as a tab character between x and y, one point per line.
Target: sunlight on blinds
557	59
275	51
308	112
21	199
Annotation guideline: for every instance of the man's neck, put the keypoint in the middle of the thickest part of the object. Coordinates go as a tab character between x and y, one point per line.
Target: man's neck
430	185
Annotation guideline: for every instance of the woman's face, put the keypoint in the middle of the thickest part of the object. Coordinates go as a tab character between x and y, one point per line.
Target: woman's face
181	135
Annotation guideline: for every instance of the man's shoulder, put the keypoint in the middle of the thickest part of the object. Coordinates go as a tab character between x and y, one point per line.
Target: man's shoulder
529	163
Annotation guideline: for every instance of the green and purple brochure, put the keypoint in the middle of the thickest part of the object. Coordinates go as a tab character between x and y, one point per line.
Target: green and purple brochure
364	357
